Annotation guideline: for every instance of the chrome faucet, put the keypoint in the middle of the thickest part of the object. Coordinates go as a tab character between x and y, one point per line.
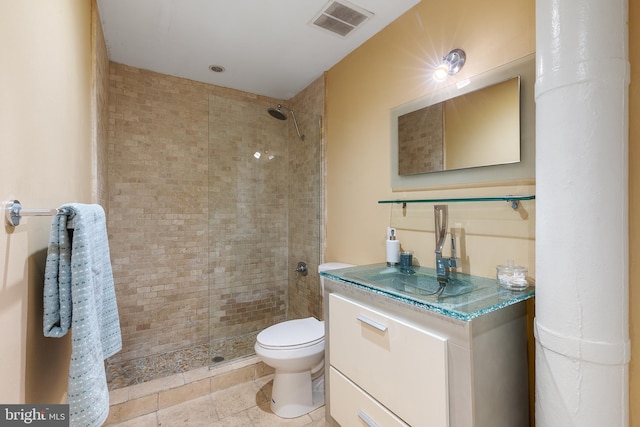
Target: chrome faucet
444	265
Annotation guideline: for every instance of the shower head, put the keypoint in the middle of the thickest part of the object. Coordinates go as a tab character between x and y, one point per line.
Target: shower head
280	115
277	113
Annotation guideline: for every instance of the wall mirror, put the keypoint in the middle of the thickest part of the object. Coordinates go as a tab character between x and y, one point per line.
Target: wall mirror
483	132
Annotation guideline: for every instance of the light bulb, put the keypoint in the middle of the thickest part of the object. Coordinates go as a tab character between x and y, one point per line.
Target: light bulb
441	73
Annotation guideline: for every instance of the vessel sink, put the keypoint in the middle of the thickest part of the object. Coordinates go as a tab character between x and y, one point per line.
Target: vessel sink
416	283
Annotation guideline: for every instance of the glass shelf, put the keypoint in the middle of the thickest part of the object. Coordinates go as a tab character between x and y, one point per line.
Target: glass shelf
511	199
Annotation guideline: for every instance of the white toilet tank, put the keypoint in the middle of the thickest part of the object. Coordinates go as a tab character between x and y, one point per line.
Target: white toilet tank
330	266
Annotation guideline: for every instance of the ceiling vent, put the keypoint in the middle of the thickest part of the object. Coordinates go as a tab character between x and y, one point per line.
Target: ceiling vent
341	17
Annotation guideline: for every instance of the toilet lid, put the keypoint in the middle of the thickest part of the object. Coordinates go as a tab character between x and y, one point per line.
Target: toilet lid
292	333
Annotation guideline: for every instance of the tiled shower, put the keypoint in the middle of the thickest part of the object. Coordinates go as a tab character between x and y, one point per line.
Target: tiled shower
211	204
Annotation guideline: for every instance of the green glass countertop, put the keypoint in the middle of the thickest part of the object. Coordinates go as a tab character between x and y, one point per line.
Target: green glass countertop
464	298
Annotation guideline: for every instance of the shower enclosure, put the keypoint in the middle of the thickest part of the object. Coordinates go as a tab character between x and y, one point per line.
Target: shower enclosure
264	195
211	204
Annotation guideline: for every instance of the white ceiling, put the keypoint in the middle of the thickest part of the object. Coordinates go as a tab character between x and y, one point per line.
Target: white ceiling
267	47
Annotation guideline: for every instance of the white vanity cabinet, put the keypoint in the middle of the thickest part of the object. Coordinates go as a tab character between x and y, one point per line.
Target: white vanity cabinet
393	363
402	366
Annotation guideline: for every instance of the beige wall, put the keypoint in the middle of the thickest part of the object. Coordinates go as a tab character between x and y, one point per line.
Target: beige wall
386	72
45	129
99	110
392	69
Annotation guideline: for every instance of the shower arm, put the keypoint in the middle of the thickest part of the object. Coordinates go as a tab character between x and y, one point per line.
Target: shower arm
295	122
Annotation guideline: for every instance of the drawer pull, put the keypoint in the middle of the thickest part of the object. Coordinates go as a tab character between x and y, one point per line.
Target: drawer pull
367	419
372	323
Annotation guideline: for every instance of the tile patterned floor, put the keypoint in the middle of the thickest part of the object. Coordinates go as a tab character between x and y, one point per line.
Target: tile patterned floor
144	369
230	394
242	405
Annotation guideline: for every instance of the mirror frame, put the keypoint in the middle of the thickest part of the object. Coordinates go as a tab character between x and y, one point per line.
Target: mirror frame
523	171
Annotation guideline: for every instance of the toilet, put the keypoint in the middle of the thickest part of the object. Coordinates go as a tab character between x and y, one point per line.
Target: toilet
295	348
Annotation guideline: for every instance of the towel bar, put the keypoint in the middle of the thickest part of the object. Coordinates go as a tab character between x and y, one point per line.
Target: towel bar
13	212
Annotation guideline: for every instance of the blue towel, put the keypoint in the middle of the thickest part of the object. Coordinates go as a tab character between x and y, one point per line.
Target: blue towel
79	295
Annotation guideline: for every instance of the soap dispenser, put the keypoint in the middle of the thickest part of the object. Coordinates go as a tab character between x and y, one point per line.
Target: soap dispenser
393	247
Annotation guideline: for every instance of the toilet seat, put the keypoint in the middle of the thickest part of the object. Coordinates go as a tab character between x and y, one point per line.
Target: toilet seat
292	334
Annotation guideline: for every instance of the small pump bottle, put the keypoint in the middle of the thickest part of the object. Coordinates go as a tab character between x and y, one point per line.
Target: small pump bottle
393	248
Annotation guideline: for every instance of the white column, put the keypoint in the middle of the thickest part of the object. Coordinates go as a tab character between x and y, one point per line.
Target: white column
581	325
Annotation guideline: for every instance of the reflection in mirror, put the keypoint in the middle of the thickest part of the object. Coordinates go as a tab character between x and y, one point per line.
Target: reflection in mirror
480	128
464	164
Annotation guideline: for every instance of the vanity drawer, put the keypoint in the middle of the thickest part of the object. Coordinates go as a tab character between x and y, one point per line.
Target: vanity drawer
350	406
400	365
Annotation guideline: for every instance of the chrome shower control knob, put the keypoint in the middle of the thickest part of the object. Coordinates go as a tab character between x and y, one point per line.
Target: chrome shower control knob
301	268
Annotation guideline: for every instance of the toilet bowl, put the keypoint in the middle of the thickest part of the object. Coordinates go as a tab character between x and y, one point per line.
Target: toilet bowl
295	348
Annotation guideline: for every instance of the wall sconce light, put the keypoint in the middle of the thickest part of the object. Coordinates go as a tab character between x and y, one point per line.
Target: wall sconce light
451	64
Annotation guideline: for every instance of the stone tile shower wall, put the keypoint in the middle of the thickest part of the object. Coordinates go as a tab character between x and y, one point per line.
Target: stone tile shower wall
158	207
305	202
175	204
248	235
157	216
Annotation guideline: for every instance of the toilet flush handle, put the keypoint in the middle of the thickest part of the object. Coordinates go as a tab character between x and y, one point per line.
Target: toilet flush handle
301	268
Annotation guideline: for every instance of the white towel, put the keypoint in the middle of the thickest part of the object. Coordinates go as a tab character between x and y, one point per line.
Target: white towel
79	294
